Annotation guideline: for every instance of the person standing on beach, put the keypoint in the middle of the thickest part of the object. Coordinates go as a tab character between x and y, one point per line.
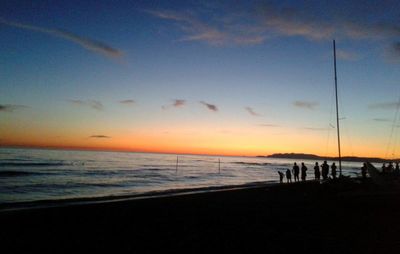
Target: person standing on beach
390	168
325	170
317	173
333	170
288	176
280	176
384	168
364	171
303	171
296	171
397	170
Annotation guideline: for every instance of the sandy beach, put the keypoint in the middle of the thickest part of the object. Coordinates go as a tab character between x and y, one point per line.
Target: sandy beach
313	217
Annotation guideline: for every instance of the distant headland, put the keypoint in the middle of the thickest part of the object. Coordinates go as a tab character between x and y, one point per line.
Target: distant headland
305	156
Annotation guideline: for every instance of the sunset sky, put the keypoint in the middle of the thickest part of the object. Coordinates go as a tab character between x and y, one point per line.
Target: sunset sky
217	77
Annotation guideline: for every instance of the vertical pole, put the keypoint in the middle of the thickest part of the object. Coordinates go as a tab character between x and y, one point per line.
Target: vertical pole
219	166
176	169
337	109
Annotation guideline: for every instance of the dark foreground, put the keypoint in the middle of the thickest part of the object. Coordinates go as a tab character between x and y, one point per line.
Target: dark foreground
330	218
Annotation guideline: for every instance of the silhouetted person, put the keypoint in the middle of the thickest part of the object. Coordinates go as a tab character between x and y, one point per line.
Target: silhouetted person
317	173
389	168
384	168
296	171
325	170
281	175
364	171
288	176
303	172
397	169
333	170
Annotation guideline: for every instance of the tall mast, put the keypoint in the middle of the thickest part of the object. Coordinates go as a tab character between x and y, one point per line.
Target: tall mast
337	109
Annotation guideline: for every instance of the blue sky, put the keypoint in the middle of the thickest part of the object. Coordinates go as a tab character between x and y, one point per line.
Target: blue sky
265	66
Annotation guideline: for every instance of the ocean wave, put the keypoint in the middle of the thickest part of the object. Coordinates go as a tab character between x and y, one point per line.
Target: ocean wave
11	173
252	163
15	159
101	172
66	186
192	177
111	172
154	169
33	164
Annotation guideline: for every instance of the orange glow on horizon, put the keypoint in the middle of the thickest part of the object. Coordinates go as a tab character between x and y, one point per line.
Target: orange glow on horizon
212	150
202	140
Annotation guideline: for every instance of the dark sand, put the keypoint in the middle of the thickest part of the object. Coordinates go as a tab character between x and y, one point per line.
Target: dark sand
329	218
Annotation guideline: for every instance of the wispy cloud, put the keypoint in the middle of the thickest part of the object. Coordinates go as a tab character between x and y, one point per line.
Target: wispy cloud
347	55
251	111
94	104
195	29
219	32
87	43
307	22
177	103
381	120
314	129
127	102
268	125
256	23
99	136
384	105
11	107
210	107
306	104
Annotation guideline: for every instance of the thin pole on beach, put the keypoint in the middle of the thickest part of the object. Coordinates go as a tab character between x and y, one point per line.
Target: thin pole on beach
176	169
337	108
219	166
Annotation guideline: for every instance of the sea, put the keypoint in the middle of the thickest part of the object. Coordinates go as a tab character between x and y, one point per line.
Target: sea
30	175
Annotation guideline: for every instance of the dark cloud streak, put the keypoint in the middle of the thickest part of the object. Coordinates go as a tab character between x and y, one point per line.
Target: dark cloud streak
99	136
384	105
11	107
306	104
177	103
94	104
251	111
127	102
381	120
210	107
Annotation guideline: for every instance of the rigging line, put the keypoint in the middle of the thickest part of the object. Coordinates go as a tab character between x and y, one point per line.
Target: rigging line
347	130
346	124
330	125
392	129
395	146
396	138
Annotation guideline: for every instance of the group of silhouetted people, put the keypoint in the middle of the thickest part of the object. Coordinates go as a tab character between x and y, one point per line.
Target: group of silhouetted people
319	171
389	169
323	171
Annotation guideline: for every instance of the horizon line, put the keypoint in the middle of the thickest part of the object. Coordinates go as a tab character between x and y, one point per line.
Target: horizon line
78	148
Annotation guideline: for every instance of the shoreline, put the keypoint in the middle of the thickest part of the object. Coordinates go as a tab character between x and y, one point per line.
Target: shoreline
336	217
48	203
54	203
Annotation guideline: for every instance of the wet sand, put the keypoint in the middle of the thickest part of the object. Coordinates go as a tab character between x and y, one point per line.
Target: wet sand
320	218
